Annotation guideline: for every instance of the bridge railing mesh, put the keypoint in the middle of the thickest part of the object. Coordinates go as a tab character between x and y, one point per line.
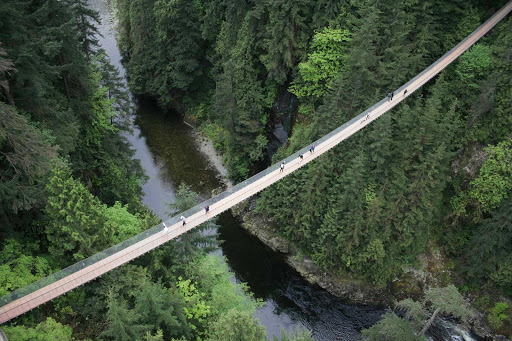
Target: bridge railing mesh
158	228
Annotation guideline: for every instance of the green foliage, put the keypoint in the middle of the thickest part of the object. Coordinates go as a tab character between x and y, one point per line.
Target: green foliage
497	315
490	250
49	330
449	301
374	195
77	226
474	64
414	311
25	158
78	223
86	19
495	178
297	335
6	69
392	328
19	268
162	308
323	65
164	43
196	310
123	222
111	79
414	324
368	207
122	323
493	183
237	326
285	37
214	282
159	336
217	134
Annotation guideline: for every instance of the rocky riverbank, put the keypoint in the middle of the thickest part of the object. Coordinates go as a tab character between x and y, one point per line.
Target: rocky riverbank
206	147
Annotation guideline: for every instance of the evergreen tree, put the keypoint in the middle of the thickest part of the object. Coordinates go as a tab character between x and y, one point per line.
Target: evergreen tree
413	326
392	327
77	226
86	19
6	69
177	25
285	38
111	79
240	101
122	323
162	308
489	253
25	158
237	326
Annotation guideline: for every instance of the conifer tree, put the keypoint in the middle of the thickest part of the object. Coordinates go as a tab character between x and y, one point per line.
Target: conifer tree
489	252
86	19
285	38
25	159
122	323
6	69
77	226
178	30
162	308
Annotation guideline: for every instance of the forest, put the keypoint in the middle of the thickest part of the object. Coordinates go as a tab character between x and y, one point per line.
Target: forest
69	188
432	177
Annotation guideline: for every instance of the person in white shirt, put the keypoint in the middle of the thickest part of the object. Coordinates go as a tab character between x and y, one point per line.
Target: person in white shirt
184	220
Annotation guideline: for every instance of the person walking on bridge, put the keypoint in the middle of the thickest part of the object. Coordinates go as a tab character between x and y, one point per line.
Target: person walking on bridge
301	157
206	209
312	149
184	220
390	96
282	167
166	229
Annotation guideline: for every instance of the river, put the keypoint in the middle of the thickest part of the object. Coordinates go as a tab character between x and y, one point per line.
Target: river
170	156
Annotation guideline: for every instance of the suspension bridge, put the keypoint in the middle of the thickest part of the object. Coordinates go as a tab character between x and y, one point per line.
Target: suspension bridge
24	299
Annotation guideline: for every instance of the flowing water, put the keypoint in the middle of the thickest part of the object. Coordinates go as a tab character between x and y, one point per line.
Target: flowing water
169	155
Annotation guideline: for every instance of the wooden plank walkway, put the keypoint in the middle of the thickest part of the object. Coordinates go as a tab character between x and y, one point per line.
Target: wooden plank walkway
59	287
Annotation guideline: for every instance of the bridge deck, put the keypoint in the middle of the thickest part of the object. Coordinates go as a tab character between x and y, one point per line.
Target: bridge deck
65	280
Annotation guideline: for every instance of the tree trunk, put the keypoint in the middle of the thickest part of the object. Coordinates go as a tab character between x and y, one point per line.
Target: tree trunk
5	86
67	87
430	321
